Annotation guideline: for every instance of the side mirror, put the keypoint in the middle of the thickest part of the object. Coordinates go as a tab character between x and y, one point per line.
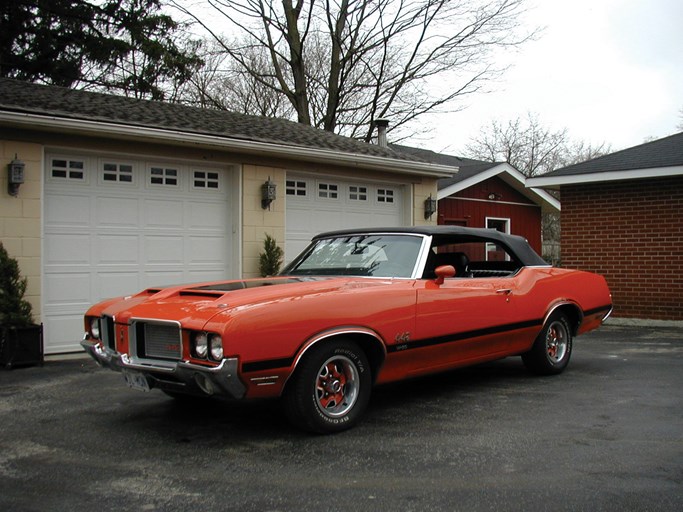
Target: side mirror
443	272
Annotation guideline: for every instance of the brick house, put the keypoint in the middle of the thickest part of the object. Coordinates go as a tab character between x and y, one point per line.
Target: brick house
120	194
489	195
622	216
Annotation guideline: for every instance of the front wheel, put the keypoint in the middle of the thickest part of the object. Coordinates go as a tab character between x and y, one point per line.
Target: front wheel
553	347
330	388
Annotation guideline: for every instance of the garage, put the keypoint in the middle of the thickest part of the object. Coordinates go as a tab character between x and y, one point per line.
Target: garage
114	225
316	204
120	194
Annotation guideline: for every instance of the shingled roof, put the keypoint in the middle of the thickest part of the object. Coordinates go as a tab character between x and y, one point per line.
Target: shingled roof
63	103
666	152
662	157
467	167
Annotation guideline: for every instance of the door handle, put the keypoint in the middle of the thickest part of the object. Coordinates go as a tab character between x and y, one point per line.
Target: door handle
504	291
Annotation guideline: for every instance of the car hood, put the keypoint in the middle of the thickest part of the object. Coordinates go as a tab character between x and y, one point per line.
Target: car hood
197	303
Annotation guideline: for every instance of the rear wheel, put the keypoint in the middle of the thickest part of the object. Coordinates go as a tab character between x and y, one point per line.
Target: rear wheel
553	347
330	388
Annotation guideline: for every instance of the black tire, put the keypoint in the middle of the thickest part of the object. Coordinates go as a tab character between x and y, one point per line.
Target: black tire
553	347
330	388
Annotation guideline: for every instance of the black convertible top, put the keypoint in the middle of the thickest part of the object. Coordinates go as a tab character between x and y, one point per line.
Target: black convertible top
516	245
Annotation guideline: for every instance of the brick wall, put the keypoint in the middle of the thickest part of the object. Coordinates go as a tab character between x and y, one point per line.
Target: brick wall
632	233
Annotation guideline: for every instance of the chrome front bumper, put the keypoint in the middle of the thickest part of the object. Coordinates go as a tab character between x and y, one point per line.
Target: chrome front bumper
180	376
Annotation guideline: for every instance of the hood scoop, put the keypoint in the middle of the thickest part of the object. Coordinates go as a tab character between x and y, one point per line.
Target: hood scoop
201	293
231	286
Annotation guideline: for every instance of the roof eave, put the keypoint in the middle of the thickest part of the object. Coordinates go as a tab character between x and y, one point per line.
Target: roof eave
166	136
554	182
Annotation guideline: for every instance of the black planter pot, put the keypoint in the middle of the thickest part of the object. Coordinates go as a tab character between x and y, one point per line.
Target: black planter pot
21	346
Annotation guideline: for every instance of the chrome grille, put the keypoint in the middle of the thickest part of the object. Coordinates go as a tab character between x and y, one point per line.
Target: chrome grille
161	341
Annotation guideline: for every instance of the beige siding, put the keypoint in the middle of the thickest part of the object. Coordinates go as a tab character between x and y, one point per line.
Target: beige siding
257	222
422	191
20	215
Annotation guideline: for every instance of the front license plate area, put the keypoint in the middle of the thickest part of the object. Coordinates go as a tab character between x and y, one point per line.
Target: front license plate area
136	380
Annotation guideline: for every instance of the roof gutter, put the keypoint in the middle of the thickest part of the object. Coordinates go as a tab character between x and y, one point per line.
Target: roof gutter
164	136
604	176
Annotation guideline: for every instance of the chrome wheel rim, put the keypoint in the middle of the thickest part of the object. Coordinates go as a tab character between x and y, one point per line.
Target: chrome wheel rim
557	341
337	386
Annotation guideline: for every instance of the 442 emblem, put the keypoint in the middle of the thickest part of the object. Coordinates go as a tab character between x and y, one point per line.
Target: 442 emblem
402	337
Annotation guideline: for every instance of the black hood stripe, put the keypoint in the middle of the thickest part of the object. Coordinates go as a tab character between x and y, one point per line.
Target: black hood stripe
231	286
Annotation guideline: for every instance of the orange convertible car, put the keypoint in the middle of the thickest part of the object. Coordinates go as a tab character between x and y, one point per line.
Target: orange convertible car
356	308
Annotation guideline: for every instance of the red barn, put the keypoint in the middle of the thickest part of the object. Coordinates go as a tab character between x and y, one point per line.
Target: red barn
488	195
493	195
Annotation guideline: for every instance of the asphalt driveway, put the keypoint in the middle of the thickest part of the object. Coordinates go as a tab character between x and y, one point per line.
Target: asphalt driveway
605	435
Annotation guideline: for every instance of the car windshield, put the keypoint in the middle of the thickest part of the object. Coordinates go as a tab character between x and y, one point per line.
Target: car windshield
359	255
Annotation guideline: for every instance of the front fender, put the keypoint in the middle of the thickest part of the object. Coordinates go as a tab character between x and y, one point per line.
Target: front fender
369	341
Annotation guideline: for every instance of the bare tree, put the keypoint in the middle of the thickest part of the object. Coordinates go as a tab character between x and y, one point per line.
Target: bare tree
205	87
525	144
579	151
342	64
680	125
530	147
223	85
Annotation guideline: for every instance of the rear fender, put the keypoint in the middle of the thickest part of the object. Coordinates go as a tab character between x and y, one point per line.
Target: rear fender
573	312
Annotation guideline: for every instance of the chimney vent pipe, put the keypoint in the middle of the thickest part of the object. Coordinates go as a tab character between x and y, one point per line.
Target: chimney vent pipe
382	125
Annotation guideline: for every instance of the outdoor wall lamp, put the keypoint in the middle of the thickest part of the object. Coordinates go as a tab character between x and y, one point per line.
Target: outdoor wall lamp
268	193
430	207
15	176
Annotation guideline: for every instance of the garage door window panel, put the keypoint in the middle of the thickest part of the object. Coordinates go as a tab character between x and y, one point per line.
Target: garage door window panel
296	188
160	176
357	193
385	196
117	172
68	169
207	180
328	191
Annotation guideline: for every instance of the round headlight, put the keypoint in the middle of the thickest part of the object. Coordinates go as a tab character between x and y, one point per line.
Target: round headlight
216	345
95	328
201	345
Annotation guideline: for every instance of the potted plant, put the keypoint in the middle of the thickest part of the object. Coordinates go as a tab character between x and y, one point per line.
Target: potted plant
21	341
270	260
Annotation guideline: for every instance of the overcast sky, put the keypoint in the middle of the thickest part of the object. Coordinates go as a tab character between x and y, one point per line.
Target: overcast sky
607	70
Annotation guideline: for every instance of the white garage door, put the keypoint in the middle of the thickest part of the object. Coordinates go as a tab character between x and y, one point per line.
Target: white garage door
317	204
114	226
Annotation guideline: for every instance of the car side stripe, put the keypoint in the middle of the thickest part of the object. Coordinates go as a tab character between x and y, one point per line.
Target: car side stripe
461	336
271	364
595	311
427	342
